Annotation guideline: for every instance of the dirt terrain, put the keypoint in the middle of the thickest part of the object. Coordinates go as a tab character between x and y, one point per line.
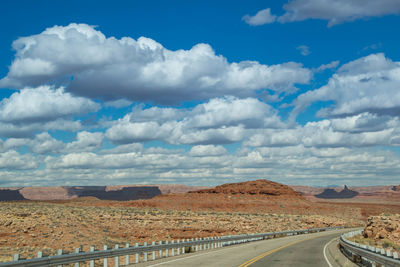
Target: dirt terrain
258	206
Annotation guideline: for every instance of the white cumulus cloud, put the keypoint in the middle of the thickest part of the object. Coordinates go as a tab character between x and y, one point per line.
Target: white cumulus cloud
142	70
43	104
262	17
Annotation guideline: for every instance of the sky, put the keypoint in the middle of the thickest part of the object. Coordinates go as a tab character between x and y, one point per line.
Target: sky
301	92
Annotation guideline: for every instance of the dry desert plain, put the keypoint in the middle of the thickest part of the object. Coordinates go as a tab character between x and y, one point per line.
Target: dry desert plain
250	207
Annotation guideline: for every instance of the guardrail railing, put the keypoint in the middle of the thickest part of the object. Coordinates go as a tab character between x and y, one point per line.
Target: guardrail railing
367	255
160	249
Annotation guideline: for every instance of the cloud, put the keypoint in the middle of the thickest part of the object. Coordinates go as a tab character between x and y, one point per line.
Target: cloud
44	143
12	160
292	164
304	50
218	121
27	130
207	151
262	17
368	84
335	12
43	104
120	103
86	141
332	65
142	70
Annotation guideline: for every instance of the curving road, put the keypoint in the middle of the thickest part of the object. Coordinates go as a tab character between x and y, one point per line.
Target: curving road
302	250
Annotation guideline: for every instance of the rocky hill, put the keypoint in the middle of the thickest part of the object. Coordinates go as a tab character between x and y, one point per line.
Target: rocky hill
257	187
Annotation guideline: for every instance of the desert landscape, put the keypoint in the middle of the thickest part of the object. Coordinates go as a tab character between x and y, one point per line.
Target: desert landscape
28	226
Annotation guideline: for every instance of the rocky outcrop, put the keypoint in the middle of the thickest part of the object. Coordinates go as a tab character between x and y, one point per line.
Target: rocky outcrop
10	195
396	188
384	229
258	187
117	192
331	193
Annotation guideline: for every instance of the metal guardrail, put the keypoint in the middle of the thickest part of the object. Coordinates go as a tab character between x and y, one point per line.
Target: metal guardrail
175	247
367	255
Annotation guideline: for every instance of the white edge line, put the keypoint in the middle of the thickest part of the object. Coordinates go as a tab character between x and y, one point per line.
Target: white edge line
326	258
183	258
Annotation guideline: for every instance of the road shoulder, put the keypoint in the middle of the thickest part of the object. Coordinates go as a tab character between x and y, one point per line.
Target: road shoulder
335	256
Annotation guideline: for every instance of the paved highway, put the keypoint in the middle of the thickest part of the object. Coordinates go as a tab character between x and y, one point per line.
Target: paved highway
302	250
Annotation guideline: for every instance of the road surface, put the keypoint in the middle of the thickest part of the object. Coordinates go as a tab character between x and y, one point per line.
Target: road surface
301	250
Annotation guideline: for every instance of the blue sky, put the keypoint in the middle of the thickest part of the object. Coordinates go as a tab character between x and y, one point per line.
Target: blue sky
199	92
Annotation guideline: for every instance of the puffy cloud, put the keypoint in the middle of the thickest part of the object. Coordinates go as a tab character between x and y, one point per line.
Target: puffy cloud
44	143
304	50
43	104
218	121
360	130
369	84
231	111
270	138
142	70
86	141
128	132
12	160
262	17
336	12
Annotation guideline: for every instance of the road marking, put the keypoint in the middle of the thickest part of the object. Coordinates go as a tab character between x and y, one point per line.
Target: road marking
183	258
253	260
326	258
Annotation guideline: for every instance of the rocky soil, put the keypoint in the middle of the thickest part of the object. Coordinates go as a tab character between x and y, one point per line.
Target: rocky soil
26	228
384	230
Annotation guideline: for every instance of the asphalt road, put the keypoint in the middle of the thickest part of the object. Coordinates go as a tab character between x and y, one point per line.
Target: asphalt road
301	250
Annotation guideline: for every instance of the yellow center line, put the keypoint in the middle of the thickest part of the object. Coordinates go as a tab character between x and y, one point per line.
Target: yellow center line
253	260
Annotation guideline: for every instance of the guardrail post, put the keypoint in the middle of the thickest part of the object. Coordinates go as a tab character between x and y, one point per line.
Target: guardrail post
145	253
77	250
166	250
160	251
183	248
59	252
127	256
137	254
105	260
153	253
15	257
197	246
172	250
39	254
178	251
91	263
116	259
395	255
